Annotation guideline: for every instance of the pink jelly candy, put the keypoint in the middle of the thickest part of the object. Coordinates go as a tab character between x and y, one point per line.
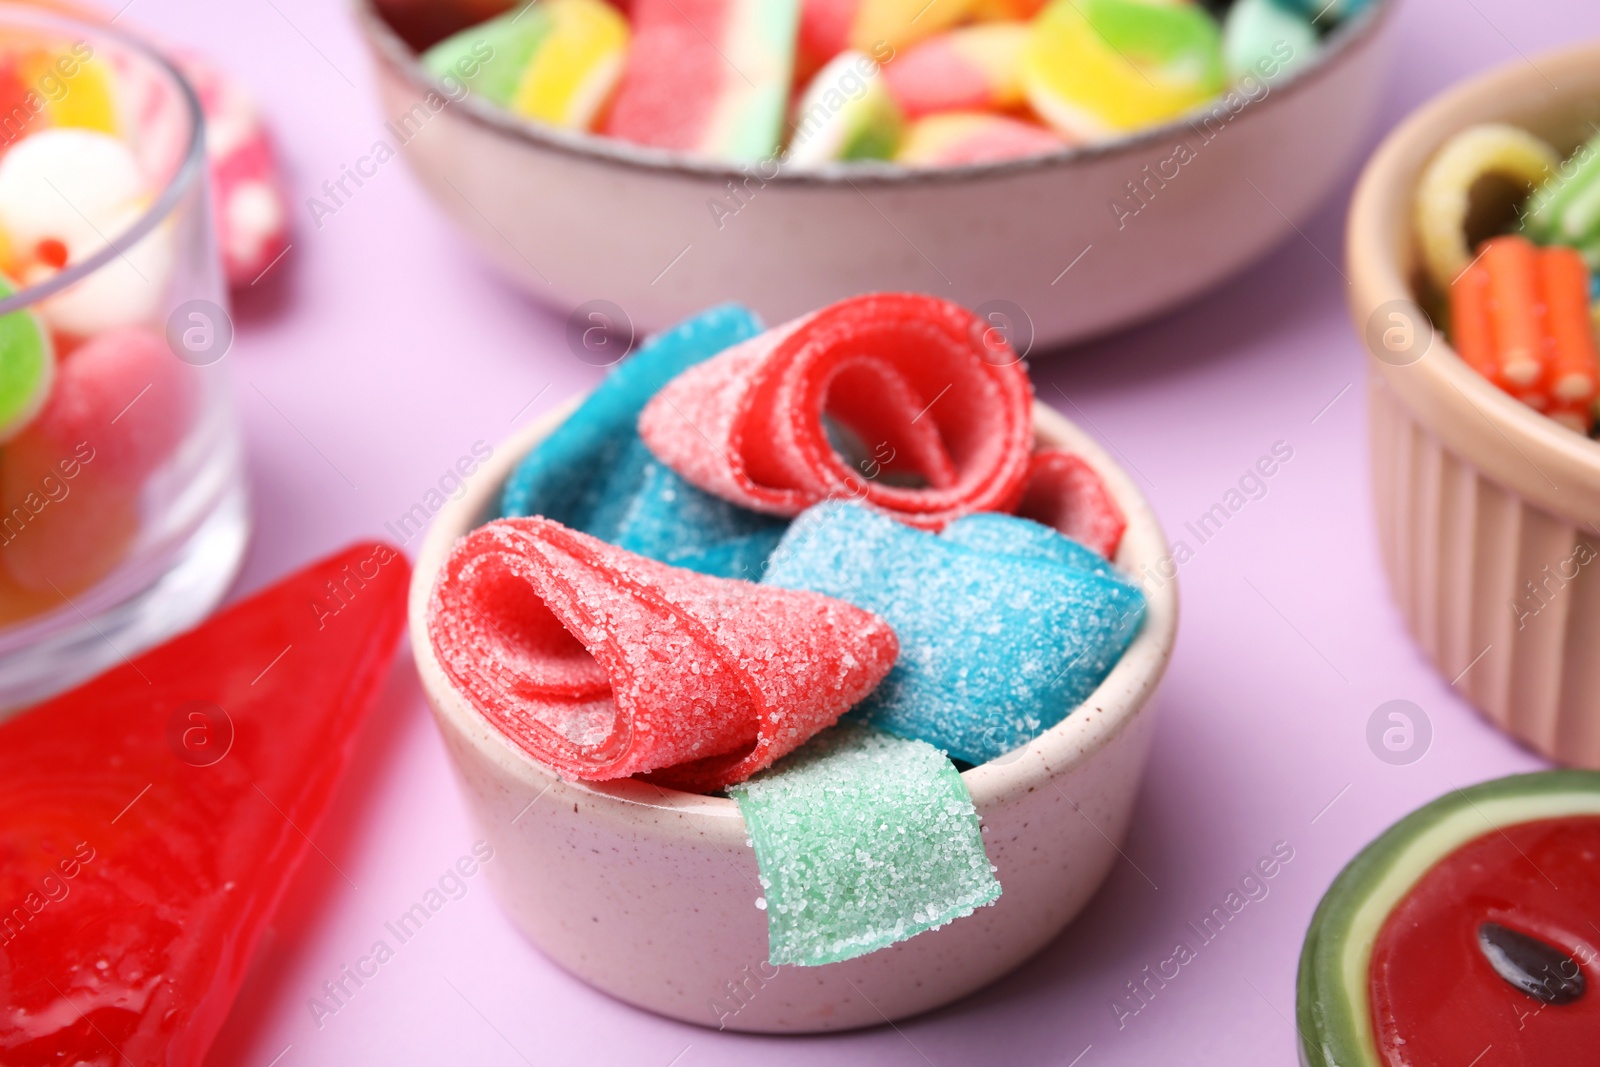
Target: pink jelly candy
251	210
1066	494
126	395
603	664
934	408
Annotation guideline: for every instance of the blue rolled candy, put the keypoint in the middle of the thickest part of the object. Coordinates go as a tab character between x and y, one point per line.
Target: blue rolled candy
996	644
594	474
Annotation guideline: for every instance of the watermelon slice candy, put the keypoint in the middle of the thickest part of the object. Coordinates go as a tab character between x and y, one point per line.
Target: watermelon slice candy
153	818
1473	924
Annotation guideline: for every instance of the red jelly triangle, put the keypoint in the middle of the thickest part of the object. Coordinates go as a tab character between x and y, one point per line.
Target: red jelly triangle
1066	494
931	392
603	664
151	819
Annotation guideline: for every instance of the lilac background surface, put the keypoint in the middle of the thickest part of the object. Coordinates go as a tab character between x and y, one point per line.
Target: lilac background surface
388	348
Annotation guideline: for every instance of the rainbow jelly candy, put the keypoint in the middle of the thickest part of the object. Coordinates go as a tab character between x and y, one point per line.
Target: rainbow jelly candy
593	473
952	138
603	664
707	76
557	61
879	27
995	648
1097	69
1065	494
1265	39
973	68
862	839
846	113
941	417
27	367
1444	192
163	809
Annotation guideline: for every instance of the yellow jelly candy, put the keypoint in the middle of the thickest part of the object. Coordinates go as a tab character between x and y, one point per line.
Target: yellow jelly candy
1444	195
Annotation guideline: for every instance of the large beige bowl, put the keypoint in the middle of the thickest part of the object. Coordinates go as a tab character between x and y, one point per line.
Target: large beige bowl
1486	510
575	218
650	894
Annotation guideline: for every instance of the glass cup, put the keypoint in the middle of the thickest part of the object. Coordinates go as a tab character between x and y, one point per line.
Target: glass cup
123	515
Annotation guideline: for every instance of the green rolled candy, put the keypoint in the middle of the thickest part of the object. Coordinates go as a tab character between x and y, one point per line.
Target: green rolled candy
863	839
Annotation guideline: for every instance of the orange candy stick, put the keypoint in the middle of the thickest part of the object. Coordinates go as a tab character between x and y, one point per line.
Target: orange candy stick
1574	365
1513	266
1470	328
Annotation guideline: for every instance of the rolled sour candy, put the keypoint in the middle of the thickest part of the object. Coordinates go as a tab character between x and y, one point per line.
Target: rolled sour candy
952	138
846	113
557	61
973	68
1443	195
592	472
249	203
1065	494
995	646
602	664
895	399
707	76
862	839
880	27
1519	316
64	193
1097	69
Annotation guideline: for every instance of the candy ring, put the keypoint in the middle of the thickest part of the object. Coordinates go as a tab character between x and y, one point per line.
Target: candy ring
1444	193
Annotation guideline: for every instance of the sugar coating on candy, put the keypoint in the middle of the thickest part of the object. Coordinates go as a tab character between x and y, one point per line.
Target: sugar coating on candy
862	839
603	664
669	520
593	474
990	533
994	649
946	425
970	68
708	76
1065	494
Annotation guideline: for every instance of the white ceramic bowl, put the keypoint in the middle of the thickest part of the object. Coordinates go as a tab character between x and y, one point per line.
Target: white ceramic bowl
649	894
1487	511
576	217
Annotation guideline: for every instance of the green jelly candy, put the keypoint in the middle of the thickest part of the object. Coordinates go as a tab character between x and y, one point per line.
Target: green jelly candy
489	58
1260	36
27	367
863	839
1566	208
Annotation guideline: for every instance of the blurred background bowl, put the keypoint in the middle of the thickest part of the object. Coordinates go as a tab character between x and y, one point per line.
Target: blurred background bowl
1035	244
